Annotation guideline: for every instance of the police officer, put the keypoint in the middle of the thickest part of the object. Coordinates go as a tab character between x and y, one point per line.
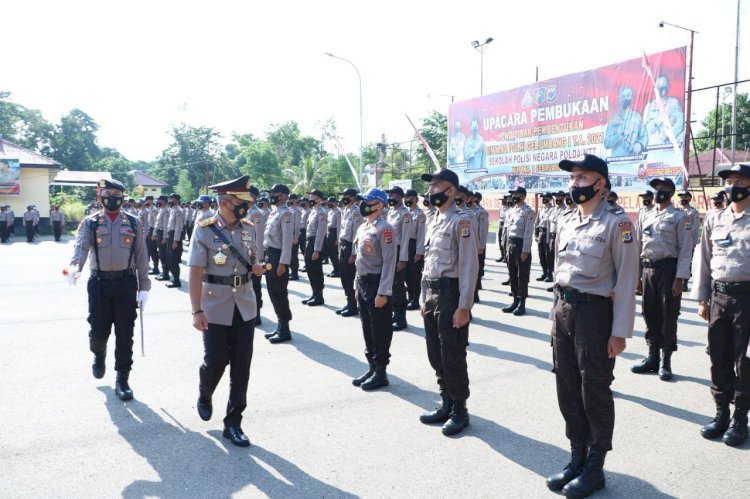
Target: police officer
450	275
28	220
665	244
205	210
520	226
695	221
4	223
222	254
483	229
400	219
151	244
563	204
597	258
612	198
297	211
173	236
375	253
501	233
648	205
416	249
279	240
723	288
161	235
316	234
332	238
351	219
114	242
540	235
57	218
258	227
304	205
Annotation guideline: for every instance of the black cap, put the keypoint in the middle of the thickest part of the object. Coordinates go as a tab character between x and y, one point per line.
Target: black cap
686	194
410	193
280	189
613	194
331	199
111	184
149	198
163	198
444	174
519	190
478	195
590	163
547	195
465	190
718	196
348	192
396	190
316	192
174	195
647	194
293	197
742	169
264	199
662	180
254	191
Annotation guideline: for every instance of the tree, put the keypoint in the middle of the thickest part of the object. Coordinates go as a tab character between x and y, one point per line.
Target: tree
258	159
434	130
196	150
290	146
25	127
711	134
184	188
74	141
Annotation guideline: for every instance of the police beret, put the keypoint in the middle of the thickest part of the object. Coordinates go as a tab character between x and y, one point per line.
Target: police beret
111	184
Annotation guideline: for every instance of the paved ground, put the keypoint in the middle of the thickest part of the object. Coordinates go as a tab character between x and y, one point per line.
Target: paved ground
65	434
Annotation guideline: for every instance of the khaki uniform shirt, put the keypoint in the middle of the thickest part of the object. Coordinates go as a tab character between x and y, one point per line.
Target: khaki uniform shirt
115	241
695	223
305	212
334	219
400	220
451	251
218	300
316	226
280	232
57	216
724	250
542	220
297	221
201	215
520	224
375	248
144	216
484	225
152	212
351	219
419	221
29	216
258	228
599	255
5	217
176	221
162	217
553	216
667	234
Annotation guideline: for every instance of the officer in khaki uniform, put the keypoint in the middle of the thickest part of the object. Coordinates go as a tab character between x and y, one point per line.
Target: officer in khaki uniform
279	240
375	253
351	219
5	223
593	313
400	219
519	224
665	245
316	236
173	236
695	222
294	265
484	229
541	228
450	274
160	233
222	256
114	242
723	291
416	249
332	237
258	227
57	219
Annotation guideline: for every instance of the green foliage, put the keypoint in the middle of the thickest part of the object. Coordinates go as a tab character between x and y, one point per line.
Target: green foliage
184	188
25	127
74	141
72	207
434	130
704	140
193	149
259	160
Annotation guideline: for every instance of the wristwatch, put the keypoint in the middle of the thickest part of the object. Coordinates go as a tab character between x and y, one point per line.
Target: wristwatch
199	311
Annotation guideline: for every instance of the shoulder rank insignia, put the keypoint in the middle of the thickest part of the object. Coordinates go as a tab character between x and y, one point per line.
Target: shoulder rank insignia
206	222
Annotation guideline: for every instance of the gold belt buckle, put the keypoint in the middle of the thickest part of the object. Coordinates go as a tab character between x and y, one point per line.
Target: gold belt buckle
237	281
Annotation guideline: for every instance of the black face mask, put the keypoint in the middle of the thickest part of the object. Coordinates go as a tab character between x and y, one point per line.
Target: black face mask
171	204
469	204
274	200
568	201
736	193
515	200
426	203
647	202
346	201
409	203
685	202
330	205
718	204
582	194
392	202
240	210
559	202
366	210
663	196
439	199
610	202
112	203
459	202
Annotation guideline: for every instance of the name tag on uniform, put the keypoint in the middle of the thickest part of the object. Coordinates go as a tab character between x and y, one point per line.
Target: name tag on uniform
723	243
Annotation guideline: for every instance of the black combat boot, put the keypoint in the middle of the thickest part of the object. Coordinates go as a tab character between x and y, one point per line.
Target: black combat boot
542	277
591	477
351	309
122	388
578	451
378	379
308	299
283	334
98	368
205	407
719	425
399	320
258	320
737	432
521	310
665	368
370	371
440	414
650	364
506	282
317	300
414	303
459	419
510	308
268	335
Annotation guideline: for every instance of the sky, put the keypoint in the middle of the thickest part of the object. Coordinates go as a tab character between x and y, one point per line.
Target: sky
140	67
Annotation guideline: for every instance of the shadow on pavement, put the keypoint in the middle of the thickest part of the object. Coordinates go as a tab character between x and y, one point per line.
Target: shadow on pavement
667	410
191	464
494	352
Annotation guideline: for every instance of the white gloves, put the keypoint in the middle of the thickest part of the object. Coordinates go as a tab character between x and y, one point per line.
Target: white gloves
72	275
142	299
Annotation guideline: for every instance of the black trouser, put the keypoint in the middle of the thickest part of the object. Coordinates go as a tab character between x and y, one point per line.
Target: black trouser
500	241
551	237
518	271
314	268
583	370
258	290
480	274
399	286
660	306
303	242
543	248
414	272
189	230
728	333
231	345
57	230
277	286
162	247
377	327
174	255
348	270
153	249
332	249
3	231
446	345
113	302
294	263
29	231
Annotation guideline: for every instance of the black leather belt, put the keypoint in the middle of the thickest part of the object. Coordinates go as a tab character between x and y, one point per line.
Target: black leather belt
571	295
442	283
369	277
228	280
656	264
271	249
515	239
732	288
111	276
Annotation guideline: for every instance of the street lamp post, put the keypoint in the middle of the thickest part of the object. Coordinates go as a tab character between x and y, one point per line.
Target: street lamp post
480	48
727	91
361	143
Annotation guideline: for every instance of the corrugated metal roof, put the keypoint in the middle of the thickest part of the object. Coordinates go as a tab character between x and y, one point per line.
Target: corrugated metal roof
721	156
143	179
65	177
26	157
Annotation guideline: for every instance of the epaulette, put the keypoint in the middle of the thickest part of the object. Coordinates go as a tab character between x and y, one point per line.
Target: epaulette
247	221
616	210
206	222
